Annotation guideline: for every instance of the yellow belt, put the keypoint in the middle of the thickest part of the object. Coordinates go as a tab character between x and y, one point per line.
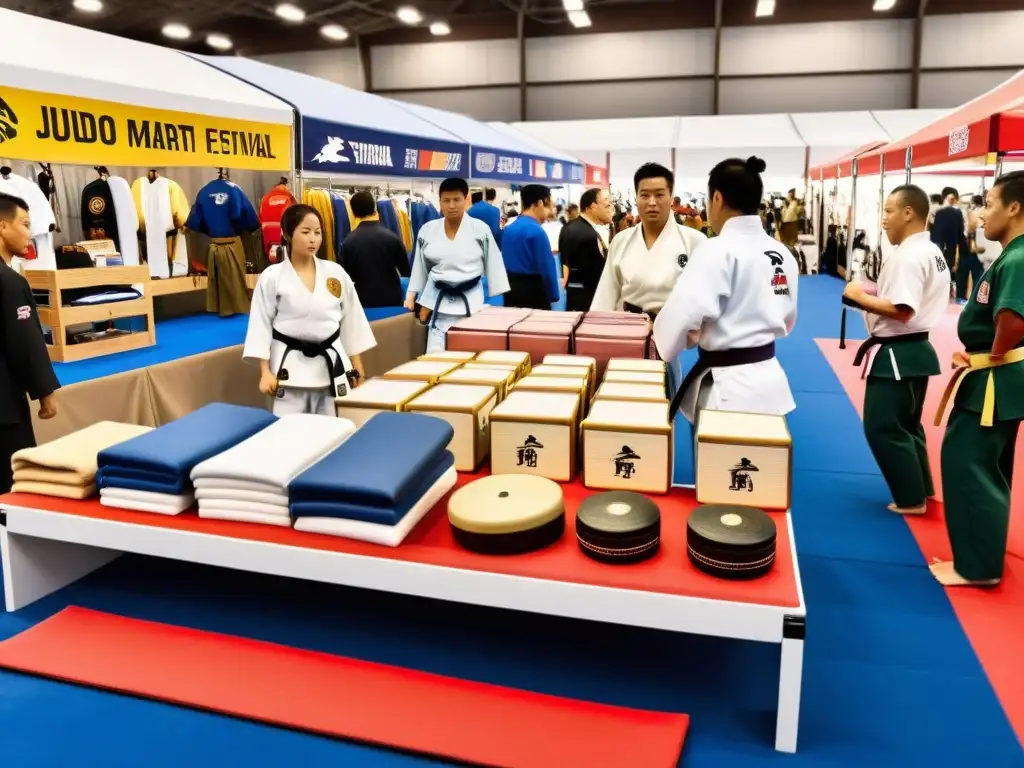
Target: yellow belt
978	362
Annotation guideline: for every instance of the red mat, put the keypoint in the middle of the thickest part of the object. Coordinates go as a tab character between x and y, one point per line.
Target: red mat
992	619
481	724
670	572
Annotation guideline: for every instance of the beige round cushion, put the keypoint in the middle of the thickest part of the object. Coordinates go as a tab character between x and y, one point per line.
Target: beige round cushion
505	504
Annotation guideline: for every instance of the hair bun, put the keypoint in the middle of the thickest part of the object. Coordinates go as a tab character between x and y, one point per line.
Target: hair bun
756	164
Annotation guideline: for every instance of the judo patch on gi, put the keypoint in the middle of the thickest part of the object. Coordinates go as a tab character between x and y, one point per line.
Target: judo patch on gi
334	286
982	297
24	312
682	260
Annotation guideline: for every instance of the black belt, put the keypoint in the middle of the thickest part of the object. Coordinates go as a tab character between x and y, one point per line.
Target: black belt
721	358
652	314
311	349
453	290
874	341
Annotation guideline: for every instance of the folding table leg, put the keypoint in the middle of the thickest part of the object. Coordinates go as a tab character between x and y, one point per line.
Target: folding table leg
790	677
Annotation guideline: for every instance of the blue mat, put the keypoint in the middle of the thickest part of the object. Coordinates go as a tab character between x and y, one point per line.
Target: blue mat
889	677
160	461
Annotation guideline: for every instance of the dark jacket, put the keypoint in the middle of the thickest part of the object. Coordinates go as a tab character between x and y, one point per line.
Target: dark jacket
948	230
583	253
26	368
376	260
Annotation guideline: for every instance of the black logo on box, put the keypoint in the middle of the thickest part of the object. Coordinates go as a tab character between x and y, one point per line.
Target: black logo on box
526	454
625	462
741	479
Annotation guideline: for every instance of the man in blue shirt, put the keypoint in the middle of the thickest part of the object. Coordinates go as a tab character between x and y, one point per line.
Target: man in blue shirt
484	209
526	250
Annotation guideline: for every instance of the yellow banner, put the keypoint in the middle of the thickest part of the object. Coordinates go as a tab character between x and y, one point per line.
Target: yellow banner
52	128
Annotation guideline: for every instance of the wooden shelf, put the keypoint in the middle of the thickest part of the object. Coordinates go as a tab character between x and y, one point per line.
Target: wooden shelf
173	285
58	316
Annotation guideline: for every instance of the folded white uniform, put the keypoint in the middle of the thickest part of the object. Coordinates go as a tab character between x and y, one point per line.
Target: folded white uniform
146	501
249	483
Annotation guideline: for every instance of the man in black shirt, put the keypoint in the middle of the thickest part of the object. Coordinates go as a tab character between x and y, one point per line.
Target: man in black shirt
583	245
949	232
373	256
25	371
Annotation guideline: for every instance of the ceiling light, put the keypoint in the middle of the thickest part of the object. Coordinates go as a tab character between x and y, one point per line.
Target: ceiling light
290	12
884	5
765	8
579	19
572	6
176	31
334	32
440	29
88	6
220	42
408	15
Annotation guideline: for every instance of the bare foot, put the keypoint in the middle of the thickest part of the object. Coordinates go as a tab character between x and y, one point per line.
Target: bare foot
946	575
919	510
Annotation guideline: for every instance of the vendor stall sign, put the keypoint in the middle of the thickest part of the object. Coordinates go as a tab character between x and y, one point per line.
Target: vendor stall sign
506	166
342	149
66	129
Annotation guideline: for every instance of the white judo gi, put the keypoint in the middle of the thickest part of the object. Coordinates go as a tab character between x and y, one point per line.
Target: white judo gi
638	277
440	261
283	303
739	293
41	217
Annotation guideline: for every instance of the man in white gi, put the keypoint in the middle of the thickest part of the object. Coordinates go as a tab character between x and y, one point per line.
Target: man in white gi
737	296
453	254
911	299
644	263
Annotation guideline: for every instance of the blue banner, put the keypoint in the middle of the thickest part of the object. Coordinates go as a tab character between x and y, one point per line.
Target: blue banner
342	149
523	169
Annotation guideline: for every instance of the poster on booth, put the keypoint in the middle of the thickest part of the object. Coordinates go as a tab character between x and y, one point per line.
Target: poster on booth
596	176
55	128
523	169
347	150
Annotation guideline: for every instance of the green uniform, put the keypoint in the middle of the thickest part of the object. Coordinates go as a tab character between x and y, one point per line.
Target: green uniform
914	276
977	460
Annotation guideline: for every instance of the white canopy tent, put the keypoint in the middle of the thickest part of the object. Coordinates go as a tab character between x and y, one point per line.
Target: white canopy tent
539	147
829	135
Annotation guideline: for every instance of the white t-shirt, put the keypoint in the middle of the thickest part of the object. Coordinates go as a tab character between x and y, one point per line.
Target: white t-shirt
915	276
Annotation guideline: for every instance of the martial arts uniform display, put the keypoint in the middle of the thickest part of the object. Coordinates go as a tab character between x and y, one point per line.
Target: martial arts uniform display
223	213
507	514
308	338
378	484
151	472
163	210
987	398
447	274
66	467
736	297
127	217
99	217
43	222
618	527
915	276
25	371
731	542
249	481
532	275
272	208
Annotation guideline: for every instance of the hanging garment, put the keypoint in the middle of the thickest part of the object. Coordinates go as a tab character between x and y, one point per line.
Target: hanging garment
127	220
404	225
226	291
162	209
320	200
222	210
48	186
343	220
387	215
99	219
272	208
42	219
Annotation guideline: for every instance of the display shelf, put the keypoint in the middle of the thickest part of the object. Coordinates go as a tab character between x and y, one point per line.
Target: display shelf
174	285
58	316
47	543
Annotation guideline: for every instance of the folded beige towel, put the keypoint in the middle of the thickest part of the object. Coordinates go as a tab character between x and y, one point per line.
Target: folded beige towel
55	489
69	462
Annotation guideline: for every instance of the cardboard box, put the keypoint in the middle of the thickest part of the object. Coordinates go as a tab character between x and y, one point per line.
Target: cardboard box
627	446
535	433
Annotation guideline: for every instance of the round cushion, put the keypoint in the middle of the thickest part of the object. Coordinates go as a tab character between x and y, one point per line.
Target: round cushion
730	541
507	514
618	527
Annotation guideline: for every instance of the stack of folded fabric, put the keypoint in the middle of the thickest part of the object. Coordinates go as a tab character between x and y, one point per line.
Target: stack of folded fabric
249	482
380	482
66	467
150	473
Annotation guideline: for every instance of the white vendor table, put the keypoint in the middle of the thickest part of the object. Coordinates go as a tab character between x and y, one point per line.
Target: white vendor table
47	543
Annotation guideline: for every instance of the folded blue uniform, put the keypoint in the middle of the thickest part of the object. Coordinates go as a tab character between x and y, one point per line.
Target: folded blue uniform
160	461
379	473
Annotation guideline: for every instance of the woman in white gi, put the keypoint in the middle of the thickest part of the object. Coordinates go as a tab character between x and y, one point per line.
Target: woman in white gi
737	298
307	328
452	256
645	262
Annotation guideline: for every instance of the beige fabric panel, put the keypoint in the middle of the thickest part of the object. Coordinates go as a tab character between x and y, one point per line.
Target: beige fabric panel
399	340
123	397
